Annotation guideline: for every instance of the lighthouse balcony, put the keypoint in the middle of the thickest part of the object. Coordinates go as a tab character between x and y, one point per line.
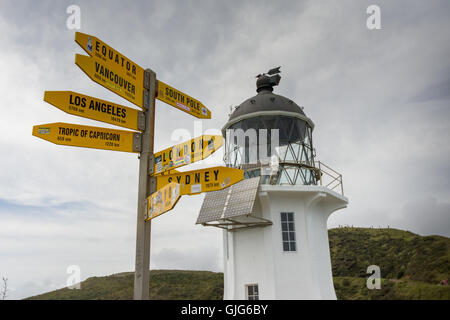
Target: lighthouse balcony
236	208
295	173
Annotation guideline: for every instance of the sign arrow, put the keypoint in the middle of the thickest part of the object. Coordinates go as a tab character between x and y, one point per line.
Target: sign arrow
203	180
89	137
96	109
186	153
112	78
94	47
182	101
163	200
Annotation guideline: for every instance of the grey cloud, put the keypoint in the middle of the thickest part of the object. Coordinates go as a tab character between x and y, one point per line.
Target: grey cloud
435	91
426	216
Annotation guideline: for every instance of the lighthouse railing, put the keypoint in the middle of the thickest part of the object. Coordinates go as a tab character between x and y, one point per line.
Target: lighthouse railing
329	173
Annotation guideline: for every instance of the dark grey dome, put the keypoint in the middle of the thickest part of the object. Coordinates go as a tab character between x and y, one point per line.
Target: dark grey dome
266	100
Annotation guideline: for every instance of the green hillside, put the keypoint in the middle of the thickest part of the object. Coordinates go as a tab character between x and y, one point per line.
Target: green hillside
352	288
164	285
399	254
412	267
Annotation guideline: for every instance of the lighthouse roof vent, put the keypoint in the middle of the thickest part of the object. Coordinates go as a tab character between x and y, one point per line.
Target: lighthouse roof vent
266	100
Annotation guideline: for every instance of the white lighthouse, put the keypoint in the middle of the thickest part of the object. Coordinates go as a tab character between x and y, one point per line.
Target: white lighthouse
275	237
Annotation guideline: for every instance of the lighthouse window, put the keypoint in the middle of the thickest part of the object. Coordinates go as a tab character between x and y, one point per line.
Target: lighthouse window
252	292
288	231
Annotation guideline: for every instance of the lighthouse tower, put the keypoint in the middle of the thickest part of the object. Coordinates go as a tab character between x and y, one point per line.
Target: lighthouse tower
275	238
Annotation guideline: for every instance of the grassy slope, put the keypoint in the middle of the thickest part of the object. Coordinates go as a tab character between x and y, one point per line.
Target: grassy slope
411	267
352	288
164	285
399	254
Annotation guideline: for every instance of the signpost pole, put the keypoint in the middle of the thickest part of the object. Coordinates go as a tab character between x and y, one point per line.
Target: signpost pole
147	185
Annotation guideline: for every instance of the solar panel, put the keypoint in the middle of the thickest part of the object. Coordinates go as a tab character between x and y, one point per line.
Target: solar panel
212	207
233	201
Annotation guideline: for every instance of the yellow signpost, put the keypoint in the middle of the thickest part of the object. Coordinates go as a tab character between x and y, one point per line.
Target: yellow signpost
96	109
203	180
182	101
112	77
163	200
94	47
187	152
88	137
163	183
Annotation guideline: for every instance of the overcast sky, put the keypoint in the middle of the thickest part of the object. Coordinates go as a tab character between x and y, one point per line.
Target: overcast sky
379	99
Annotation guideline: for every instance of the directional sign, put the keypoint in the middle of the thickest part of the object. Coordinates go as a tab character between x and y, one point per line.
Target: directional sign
187	152
163	200
182	101
112	77
96	109
89	137
111	57
204	180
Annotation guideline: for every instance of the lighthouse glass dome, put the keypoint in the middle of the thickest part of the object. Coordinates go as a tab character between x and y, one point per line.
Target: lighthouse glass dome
294	154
